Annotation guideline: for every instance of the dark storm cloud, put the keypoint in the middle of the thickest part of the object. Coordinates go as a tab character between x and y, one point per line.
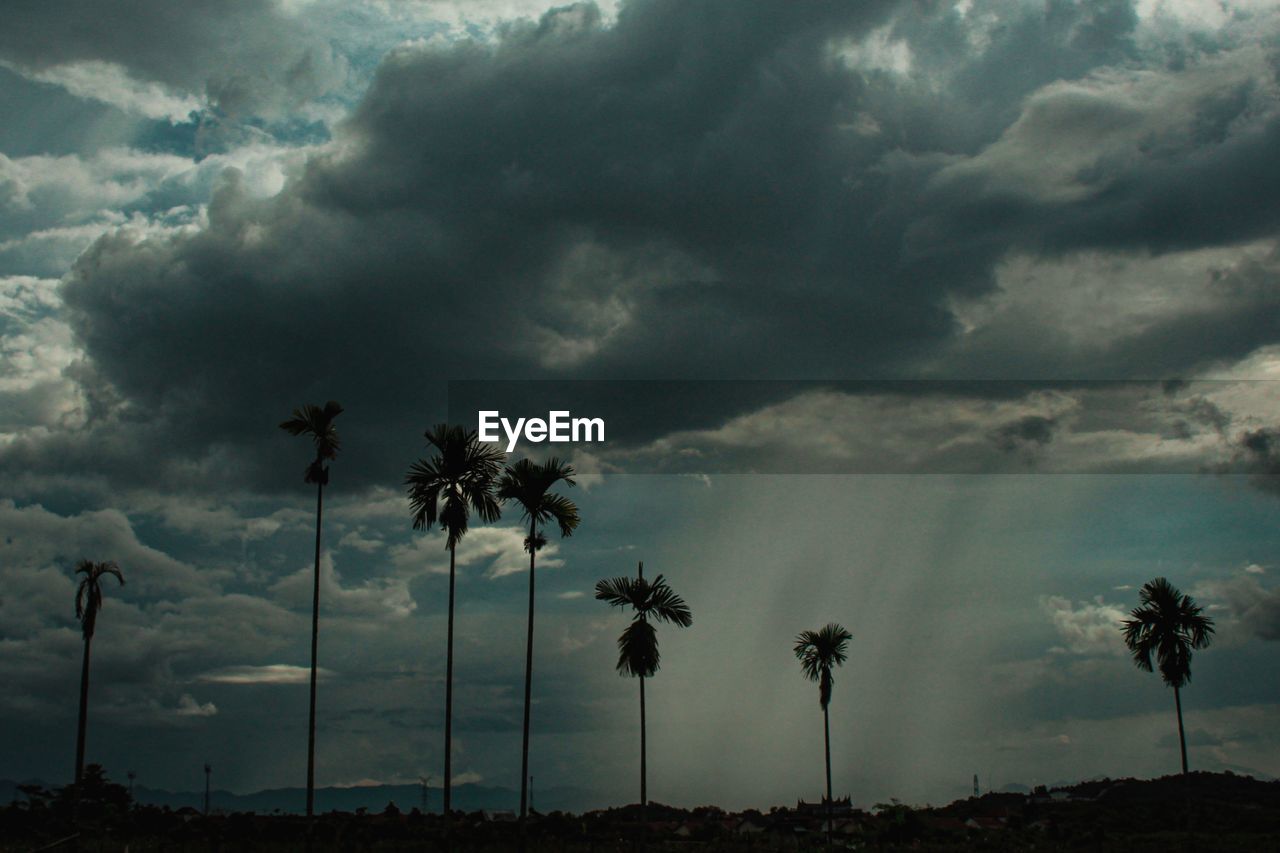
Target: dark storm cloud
1255	607
1024	432
709	190
1257	453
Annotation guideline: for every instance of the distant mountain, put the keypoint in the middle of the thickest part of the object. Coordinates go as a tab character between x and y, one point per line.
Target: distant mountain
469	797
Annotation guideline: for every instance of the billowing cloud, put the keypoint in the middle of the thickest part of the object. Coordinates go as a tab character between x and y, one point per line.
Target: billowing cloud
189	707
274	673
1253	607
499	549
763	218
1086	628
260	57
35	537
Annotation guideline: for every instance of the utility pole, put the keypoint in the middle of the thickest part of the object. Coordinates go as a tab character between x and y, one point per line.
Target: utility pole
426	795
207	771
975	785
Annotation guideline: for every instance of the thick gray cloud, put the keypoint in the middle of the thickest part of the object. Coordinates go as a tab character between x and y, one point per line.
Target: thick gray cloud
1254	606
753	189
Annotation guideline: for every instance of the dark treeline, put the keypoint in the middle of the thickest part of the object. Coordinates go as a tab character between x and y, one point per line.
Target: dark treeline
1197	811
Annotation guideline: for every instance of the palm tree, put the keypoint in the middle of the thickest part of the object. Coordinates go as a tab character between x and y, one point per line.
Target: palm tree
445	488
88	603
528	484
318	423
1168	625
638	645
818	652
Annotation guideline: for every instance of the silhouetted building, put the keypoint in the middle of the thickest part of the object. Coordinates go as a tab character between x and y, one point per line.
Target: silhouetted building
839	806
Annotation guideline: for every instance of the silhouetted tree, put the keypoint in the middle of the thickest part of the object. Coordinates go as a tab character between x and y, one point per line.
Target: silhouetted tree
88	603
818	652
457	479
638	645
528	484
1167	626
316	422
95	796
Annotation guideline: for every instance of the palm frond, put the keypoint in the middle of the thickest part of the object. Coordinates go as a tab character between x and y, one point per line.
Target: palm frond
638	645
1163	631
562	511
317	422
819	652
526	483
664	604
89	591
457	480
638	649
535	542
622	591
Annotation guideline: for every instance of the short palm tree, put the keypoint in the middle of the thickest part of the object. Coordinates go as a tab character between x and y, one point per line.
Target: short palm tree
459	478
1167	626
316	422
819	652
528	484
638	645
88	603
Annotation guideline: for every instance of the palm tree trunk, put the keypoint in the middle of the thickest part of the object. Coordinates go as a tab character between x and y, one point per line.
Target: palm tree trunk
448	700
84	714
528	684
1182	738
315	634
826	735
644	773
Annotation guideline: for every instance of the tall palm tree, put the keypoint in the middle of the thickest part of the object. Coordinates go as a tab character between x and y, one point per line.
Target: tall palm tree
88	603
528	484
638	645
459	478
316	422
819	652
1169	626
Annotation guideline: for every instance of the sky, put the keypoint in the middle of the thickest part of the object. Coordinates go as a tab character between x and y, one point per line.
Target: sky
951	322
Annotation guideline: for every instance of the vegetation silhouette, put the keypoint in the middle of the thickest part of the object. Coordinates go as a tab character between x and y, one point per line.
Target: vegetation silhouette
1168	626
88	603
459	478
638	645
1227	813
528	484
818	652
316	422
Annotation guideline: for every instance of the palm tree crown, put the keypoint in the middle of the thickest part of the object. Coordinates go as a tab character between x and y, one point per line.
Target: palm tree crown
818	652
457	480
638	645
528	484
1167	627
89	593
317	422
